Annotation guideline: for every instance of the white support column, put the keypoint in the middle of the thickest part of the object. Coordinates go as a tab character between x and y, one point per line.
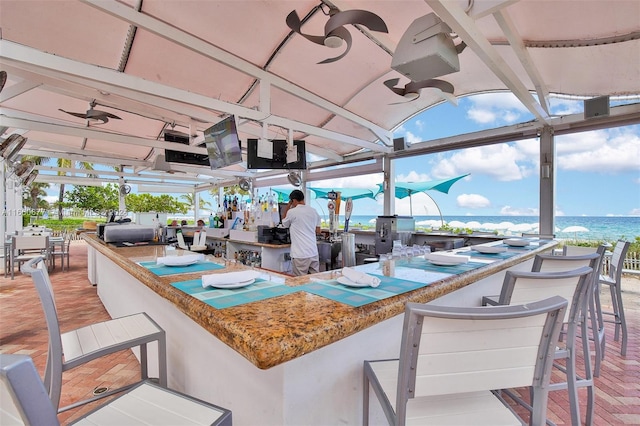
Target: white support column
547	181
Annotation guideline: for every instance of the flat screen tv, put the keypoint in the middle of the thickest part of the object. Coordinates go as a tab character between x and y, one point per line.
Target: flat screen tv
223	145
182	157
279	158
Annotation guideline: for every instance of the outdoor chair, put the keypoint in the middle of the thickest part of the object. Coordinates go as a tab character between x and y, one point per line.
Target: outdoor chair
25	248
575	257
453	362
613	279
520	287
25	401
62	253
77	347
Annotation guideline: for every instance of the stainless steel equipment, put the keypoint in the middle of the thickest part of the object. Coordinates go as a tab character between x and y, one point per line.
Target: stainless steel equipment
390	228
348	249
328	253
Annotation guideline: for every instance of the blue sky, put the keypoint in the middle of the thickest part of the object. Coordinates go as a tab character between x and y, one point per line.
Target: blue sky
598	172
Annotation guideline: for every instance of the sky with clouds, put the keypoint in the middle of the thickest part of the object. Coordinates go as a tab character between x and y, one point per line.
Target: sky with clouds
598	172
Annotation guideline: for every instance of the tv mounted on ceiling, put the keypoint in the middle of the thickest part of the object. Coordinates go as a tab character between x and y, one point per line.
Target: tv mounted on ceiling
223	145
278	160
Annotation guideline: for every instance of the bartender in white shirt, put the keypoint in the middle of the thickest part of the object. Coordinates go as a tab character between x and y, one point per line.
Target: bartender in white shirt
304	224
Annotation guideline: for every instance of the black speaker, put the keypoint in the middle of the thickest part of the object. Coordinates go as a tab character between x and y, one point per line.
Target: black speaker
399	144
181	156
596	107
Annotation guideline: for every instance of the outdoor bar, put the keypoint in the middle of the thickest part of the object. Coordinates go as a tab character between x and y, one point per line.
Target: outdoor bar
266	359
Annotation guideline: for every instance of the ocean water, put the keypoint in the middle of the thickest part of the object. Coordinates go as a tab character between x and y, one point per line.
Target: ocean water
597	228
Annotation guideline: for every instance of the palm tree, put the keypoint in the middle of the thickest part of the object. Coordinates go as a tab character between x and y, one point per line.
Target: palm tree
35	189
67	163
188	198
32	194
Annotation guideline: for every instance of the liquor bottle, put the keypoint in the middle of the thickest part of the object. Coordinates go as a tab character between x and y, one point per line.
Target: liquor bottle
212	221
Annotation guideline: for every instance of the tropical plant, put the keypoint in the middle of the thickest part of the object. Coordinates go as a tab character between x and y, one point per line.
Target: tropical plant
61	163
149	203
31	195
65	163
190	201
97	199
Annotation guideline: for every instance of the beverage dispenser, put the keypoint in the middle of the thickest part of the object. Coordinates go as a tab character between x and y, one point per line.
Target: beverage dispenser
390	228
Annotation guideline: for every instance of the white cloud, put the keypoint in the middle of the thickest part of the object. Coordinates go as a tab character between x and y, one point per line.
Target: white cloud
420	124
603	151
410	138
565	106
413	176
472	201
634	212
497	161
496	108
481	116
360	181
518	211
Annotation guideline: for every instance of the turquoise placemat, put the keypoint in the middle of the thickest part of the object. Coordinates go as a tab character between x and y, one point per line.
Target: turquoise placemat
389	287
162	270
496	256
422	263
224	298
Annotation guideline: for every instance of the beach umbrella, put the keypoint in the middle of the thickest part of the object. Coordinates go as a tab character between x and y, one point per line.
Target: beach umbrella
407	189
575	229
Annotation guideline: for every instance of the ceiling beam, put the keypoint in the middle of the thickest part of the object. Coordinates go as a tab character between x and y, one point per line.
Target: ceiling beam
201	47
517	44
89	133
466	28
36	61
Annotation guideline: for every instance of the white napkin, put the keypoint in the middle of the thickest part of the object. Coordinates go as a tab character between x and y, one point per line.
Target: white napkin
228	278
172	260
360	277
447	257
181	242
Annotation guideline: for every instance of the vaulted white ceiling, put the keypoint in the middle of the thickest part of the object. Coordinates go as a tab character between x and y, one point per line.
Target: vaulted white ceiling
163	64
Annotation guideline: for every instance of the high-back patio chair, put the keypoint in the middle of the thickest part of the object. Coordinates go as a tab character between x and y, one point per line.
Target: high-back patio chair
25	401
521	287
77	347
453	359
613	279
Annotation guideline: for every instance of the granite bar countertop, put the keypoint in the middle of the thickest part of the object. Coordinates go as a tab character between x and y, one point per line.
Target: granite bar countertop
277	330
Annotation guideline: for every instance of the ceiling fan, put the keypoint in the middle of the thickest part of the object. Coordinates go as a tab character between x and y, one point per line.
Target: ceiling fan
294	179
125	189
93	115
334	31
411	90
11	146
245	184
22	169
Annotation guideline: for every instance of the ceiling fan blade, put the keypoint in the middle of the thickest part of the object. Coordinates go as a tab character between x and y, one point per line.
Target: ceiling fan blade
75	114
293	22
444	86
391	83
345	35
3	79
99	115
353	17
